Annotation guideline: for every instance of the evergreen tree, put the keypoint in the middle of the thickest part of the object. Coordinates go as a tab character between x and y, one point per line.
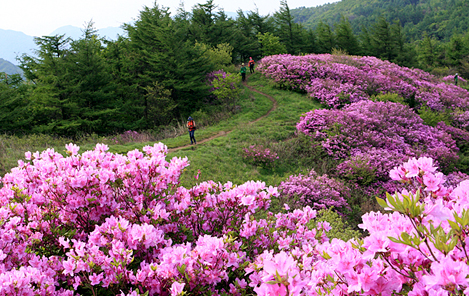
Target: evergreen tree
175	63
90	88
428	52
457	51
382	40
344	37
49	100
366	47
15	111
285	27
293	35
246	44
325	38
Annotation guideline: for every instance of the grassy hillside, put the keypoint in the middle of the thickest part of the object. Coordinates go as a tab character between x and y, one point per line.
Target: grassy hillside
219	159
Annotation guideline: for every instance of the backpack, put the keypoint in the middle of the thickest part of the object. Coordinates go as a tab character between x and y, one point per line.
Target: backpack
191	125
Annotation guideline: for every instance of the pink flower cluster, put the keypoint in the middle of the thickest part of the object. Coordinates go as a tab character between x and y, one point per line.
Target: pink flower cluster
258	155
319	192
418	249
373	137
99	222
340	80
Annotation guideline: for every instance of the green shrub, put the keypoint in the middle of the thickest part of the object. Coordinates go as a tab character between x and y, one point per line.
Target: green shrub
432	118
340	229
395	98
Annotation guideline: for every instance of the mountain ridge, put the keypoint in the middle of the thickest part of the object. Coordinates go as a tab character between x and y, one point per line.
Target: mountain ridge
13	44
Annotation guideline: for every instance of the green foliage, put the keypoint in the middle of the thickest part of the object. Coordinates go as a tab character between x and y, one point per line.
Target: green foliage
432	118
227	89
270	44
340	229
443	18
388	97
344	37
360	171
325	36
219	56
160	106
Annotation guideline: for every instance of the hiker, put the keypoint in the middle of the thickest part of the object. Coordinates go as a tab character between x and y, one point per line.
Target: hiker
251	65
191	126
243	72
456	79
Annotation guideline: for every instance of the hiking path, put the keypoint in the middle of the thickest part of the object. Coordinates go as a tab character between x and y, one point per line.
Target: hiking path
225	133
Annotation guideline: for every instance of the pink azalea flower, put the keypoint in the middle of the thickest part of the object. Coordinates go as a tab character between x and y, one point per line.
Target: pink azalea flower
177	288
96	279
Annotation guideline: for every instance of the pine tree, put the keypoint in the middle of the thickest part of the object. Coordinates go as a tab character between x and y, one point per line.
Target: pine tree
325	38
162	56
382	41
344	37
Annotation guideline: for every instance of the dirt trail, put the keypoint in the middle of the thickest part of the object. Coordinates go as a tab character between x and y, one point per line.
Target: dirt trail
224	133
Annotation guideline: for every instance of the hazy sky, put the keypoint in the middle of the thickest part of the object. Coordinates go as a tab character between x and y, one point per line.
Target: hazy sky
42	17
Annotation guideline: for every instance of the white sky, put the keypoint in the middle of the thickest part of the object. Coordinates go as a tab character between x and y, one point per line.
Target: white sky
42	17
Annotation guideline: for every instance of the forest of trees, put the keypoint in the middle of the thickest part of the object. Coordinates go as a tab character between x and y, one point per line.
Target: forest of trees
440	19
156	74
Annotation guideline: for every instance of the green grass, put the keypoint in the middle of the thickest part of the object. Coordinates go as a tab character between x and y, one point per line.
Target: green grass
219	159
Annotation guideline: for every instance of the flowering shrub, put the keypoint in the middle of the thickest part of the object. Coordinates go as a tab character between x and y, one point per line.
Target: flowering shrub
99	223
260	156
319	192
340	80
450	79
461	120
373	137
418	249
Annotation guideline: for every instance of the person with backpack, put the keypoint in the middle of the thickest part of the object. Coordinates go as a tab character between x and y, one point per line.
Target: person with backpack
243	72
191	126
251	65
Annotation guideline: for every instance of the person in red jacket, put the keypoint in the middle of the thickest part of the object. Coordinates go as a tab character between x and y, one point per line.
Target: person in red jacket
191	127
251	65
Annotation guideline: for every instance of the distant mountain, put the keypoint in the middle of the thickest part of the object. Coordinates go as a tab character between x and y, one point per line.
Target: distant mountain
9	68
439	18
14	43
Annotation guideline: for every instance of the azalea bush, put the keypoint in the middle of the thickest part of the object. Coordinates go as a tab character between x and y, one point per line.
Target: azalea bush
319	192
99	223
420	248
370	138
338	80
260	156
